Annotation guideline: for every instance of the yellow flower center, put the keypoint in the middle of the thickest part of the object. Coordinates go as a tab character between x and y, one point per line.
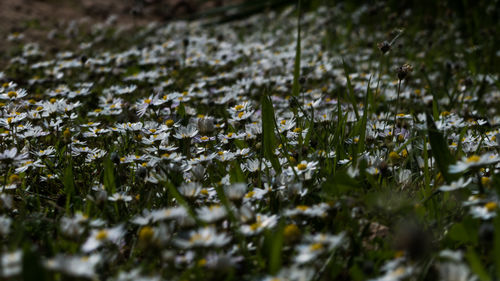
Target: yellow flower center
485	180
12	94
473	159
301	166
101	235
146	233
169	122
404	153
303	208
255	226
394	155
316	247
202	262
291	231
250	194
491	206
13	178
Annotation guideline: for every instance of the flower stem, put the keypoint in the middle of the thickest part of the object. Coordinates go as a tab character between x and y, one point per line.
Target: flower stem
397	108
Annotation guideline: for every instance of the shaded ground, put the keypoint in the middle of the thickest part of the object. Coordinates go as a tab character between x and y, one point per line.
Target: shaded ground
35	19
17	15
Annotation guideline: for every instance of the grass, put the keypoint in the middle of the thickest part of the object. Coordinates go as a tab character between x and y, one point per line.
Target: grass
283	143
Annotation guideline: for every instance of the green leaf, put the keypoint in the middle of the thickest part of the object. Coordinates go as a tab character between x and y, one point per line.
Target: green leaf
275	259
310	131
225	202
362	126
339	183
458	233
496	241
465	232
69	185
435	109
476	266
440	149
236	174
33	269
181	110
109	177
68	180
268	137
356	273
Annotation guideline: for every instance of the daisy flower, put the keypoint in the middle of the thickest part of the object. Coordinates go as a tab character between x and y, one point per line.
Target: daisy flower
203	237
211	214
262	222
11	156
303	168
474	161
14	95
11	263
460	183
185	132
485	212
319	210
99	237
77	265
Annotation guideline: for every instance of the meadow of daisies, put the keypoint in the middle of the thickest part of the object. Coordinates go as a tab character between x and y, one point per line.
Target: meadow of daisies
271	147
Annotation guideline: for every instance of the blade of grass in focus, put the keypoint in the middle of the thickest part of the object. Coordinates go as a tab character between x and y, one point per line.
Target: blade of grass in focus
268	137
296	70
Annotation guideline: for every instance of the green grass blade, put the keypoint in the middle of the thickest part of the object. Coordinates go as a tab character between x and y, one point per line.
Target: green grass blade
69	185
109	176
275	259
476	266
350	90
180	199
236	174
268	137
362	125
496	241
440	149
296	70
